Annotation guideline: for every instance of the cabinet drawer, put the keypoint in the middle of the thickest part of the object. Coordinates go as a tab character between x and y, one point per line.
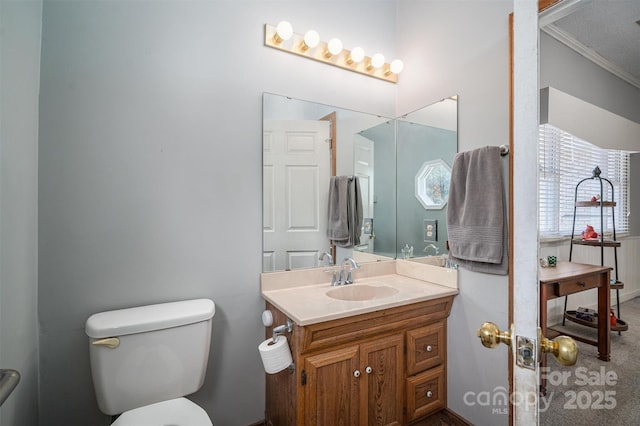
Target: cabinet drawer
426	393
425	347
569	287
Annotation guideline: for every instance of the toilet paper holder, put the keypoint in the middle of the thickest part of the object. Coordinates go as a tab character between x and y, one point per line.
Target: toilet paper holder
281	329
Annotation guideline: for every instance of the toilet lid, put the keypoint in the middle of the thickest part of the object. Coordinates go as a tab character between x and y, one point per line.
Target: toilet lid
174	412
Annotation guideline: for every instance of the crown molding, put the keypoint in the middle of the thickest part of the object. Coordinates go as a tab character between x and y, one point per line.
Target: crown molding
566	39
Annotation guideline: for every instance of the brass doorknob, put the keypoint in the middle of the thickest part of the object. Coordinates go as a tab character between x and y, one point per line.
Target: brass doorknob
564	348
491	336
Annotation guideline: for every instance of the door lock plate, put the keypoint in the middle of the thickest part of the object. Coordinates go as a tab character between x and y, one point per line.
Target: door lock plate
526	355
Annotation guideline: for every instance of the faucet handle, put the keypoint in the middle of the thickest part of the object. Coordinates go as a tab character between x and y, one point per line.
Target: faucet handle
334	277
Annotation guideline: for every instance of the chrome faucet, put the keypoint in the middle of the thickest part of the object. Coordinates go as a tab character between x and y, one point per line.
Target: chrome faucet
353	265
434	247
324	255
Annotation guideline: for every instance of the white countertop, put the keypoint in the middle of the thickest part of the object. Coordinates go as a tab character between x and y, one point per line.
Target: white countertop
306	302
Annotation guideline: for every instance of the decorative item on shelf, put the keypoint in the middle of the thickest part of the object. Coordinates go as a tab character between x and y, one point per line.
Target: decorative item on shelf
612	317
595	198
585	314
589	233
549	261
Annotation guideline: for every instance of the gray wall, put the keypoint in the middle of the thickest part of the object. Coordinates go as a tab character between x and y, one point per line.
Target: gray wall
461	48
150	184
416	145
20	24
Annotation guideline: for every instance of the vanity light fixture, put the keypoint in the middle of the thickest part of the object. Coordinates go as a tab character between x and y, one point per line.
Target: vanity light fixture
396	66
283	32
356	56
309	45
310	40
334	47
376	61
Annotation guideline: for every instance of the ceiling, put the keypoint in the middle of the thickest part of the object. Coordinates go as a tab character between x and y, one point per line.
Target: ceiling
605	31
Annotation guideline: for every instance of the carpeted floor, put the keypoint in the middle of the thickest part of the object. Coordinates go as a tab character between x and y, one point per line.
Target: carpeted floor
595	392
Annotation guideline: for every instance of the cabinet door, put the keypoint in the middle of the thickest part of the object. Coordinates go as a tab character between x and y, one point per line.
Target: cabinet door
382	387
332	389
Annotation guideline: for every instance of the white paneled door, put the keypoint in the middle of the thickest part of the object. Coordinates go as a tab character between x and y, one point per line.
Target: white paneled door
297	168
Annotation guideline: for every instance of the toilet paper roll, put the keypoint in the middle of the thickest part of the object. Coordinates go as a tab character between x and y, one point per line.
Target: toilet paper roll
275	356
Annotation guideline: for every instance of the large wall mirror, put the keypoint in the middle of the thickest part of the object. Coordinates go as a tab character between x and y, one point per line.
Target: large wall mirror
305	143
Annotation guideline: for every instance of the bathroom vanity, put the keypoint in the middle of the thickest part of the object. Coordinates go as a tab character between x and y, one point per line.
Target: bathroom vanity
380	360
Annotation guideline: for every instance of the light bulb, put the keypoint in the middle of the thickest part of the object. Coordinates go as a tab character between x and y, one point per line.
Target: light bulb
356	56
377	60
333	47
396	66
311	40
284	31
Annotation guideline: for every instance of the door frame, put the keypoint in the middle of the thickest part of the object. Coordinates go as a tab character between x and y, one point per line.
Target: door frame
523	202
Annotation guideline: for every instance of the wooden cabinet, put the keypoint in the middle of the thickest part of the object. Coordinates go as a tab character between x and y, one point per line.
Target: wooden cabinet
380	368
356	385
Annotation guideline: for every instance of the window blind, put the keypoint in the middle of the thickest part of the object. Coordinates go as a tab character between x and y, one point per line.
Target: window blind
564	160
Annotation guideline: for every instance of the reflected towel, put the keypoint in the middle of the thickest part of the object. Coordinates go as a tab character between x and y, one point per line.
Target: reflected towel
345	211
476	212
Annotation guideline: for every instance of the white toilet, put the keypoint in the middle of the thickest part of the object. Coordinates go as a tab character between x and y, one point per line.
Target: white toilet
144	360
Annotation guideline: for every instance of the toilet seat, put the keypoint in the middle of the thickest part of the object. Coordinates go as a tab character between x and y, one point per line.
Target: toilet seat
174	412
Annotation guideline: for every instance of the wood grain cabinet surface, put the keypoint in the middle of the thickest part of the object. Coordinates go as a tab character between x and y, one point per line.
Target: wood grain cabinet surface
380	368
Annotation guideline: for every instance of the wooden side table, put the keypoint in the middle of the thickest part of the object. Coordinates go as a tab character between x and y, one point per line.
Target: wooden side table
568	278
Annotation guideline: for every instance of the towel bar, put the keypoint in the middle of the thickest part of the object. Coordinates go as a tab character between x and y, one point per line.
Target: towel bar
8	381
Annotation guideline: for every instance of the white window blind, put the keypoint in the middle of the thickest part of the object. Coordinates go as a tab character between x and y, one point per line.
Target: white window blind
565	160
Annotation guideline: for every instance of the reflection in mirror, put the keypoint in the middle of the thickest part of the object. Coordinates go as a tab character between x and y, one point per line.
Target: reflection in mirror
299	158
304	144
427	142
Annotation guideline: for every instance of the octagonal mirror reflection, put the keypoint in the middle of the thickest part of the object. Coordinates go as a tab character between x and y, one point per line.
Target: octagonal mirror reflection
432	184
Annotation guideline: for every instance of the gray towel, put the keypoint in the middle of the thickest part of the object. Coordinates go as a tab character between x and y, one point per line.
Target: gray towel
345	211
476	212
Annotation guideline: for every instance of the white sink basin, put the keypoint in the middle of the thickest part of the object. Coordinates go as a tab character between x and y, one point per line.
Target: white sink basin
356	292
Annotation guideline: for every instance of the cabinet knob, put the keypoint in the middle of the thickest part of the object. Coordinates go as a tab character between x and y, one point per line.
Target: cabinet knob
428	348
582	284
429	394
368	370
356	373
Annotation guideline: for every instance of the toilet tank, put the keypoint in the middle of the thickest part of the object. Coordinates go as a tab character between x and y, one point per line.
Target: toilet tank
160	352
